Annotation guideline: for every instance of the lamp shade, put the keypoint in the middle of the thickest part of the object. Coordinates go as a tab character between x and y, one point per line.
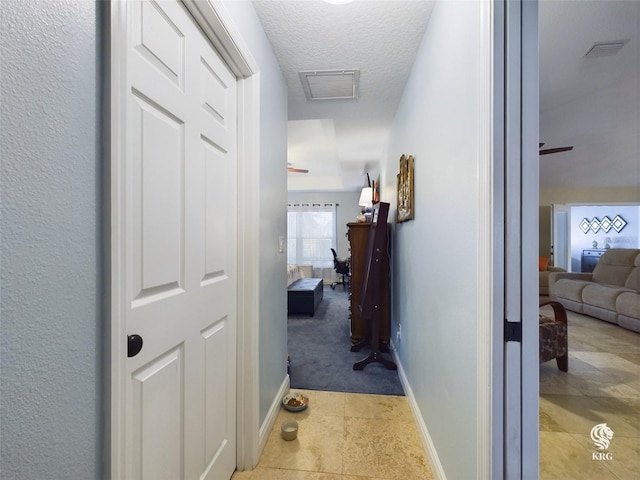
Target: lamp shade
366	197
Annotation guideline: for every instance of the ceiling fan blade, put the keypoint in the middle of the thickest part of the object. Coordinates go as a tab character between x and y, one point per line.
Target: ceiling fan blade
555	150
297	170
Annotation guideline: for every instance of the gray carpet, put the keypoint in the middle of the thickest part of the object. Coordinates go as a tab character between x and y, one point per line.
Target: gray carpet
321	356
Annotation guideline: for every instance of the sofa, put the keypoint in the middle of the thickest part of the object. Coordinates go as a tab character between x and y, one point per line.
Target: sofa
610	293
296	272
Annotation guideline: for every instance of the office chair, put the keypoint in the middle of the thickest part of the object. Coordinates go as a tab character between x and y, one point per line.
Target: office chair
342	268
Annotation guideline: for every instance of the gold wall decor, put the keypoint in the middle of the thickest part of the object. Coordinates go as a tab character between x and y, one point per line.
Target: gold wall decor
405	189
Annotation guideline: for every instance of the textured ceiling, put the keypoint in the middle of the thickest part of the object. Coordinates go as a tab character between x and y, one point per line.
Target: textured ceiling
380	38
592	104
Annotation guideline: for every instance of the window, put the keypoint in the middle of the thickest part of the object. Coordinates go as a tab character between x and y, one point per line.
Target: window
311	234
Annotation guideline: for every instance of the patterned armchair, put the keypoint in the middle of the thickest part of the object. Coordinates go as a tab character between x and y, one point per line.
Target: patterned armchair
553	336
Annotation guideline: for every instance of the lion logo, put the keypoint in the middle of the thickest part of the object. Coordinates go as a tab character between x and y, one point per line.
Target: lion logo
601	436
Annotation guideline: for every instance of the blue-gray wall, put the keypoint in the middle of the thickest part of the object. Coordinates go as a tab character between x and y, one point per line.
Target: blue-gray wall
271	214
52	283
435	256
51	320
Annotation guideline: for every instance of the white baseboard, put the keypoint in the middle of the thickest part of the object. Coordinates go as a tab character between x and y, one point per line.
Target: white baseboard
267	425
427	443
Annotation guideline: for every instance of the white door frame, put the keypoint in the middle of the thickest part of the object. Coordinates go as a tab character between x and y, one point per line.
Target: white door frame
508	240
530	225
213	18
561	236
217	26
489	285
515	402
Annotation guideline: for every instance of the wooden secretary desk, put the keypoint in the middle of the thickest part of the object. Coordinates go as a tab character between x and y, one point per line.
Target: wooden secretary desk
358	235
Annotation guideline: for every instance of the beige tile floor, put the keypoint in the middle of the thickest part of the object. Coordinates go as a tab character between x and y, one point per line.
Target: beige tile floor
345	436
601	386
337	436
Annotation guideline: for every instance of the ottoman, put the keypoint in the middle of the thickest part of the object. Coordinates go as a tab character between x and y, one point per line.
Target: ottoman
304	295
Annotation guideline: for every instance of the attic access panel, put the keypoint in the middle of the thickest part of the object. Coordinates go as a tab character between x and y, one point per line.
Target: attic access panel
330	84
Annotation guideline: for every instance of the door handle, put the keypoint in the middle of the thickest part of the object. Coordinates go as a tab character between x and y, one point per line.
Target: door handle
134	345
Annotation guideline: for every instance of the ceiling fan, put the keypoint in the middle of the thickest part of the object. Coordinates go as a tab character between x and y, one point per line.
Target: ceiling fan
291	168
547	151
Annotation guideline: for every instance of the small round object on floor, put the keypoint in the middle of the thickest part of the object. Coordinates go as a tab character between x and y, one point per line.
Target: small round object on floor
289	430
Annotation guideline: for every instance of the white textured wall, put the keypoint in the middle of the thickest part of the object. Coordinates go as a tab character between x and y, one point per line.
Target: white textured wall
272	214
594	195
51	407
435	256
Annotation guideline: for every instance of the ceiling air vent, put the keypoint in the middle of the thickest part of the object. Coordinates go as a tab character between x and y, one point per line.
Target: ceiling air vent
330	84
600	49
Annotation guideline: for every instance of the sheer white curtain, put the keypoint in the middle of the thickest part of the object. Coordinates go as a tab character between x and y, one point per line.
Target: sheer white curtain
311	234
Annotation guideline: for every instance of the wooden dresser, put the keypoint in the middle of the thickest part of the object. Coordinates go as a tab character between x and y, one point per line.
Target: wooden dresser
358	234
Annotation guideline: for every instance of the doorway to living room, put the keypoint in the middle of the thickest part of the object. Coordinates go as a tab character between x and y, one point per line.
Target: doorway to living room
589	198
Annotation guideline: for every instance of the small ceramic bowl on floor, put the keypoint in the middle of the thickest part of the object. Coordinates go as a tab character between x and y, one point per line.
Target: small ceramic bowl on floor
289	430
295	402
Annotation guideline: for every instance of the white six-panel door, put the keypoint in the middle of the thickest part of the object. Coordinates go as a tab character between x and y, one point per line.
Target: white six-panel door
175	263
